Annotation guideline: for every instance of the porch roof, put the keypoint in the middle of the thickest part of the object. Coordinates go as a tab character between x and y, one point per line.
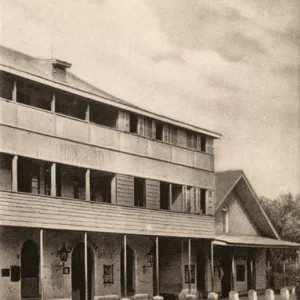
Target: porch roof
253	241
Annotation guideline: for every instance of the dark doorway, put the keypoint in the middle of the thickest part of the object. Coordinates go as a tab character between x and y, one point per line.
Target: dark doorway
78	278
130	272
201	273
30	260
226	268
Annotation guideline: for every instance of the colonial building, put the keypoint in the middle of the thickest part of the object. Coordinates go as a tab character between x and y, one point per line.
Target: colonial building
244	237
98	198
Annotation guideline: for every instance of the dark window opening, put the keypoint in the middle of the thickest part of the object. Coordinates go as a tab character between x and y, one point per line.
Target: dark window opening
240	273
70	105
34	94
6	171
203	200
159	131
103	114
133	123
203	143
72	184
6	85
164	195
139	192
130	271
101	186
34	176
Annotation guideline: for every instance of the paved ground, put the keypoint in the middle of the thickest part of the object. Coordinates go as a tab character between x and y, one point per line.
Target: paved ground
277	297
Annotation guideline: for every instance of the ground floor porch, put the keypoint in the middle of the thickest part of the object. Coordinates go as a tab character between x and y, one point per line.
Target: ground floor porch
63	264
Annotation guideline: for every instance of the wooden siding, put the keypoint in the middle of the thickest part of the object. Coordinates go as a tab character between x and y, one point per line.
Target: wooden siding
125	190
152	194
24	143
61	126
27	210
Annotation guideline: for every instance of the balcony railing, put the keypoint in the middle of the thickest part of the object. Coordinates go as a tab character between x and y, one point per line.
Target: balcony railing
62	126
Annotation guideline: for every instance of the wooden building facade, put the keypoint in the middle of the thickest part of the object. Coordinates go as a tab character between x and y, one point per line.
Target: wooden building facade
98	198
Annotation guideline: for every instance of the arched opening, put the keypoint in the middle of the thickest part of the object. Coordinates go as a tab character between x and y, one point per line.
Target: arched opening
130	271
201	272
30	267
78	273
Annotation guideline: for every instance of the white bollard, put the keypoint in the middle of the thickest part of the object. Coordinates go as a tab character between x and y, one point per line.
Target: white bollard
285	294
190	297
212	296
233	295
158	298
269	294
293	290
252	295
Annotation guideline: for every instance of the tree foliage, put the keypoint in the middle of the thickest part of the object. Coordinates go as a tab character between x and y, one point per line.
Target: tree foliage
284	213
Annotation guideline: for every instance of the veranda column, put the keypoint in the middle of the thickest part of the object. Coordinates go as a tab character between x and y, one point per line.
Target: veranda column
53	180
14	91
157	265
212	265
88	185
125	266
251	270
53	103
284	270
269	268
232	269
42	263
189	263
85	266
14	173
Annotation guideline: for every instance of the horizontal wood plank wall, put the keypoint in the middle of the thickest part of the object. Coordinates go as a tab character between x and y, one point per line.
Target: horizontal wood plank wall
125	190
152	194
34	211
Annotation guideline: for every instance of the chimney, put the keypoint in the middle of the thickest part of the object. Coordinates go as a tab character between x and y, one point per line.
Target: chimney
59	69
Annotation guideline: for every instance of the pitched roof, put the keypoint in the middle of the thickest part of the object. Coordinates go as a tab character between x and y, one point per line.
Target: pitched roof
225	181
38	69
236	180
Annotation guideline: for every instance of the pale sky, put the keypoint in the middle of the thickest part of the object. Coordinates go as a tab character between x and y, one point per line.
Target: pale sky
228	66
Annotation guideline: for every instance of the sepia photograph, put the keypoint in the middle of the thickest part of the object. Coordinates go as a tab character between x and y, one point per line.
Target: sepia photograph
149	149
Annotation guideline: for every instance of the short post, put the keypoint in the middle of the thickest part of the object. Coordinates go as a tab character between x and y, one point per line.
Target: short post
269	294
14	91
53	191
212	296
88	185
233	295
14	172
285	293
252	295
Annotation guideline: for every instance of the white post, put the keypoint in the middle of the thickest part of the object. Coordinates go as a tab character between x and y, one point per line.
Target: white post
88	185
125	266
14	172
212	265
14	91
189	263
42	263
53	180
85	266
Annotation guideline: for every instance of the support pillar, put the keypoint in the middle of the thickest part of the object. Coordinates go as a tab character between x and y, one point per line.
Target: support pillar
170	196
14	172
212	265
85	266
88	185
42	264
125	266
251	270
53	103
87	112
53	180
232	270
189	263
157	265
14	91
284	268
269	268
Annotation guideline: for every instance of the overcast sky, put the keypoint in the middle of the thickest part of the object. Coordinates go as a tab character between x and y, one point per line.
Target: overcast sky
228	66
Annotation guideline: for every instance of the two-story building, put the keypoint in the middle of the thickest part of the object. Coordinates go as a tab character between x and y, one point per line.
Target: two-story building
97	197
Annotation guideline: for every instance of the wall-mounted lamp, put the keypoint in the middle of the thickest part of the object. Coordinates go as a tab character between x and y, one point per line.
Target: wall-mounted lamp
63	255
150	258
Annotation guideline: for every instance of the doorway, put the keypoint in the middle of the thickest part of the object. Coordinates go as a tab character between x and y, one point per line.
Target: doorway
201	273
78	278
226	268
130	271
30	260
